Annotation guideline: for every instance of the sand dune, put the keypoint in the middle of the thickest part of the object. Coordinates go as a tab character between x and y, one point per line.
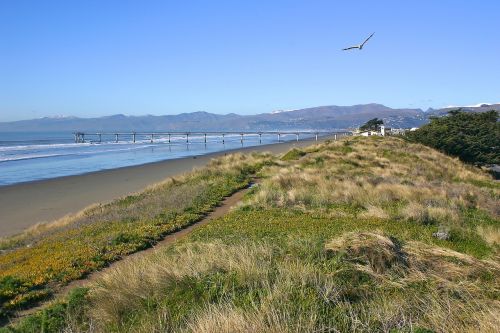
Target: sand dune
23	205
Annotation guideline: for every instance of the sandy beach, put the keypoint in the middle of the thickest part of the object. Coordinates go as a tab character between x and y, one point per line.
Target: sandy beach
23	205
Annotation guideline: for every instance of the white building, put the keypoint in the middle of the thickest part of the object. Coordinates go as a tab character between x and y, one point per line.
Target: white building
381	132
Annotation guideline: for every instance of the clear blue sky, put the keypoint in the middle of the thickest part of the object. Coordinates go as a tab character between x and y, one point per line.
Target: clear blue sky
91	58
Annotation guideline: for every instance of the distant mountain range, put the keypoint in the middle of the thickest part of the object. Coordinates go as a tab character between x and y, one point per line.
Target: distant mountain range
317	118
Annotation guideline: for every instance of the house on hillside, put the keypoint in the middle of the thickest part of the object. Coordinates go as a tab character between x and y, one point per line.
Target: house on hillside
381	131
401	131
398	131
364	133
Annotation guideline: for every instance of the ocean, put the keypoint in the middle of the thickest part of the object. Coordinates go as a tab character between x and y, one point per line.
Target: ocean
34	156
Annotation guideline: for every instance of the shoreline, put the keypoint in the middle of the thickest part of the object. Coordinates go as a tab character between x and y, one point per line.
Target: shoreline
25	204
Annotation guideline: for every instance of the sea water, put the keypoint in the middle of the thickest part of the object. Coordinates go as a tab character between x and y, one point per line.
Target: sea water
42	155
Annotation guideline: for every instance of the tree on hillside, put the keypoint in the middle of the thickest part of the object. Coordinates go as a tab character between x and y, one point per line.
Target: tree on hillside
372	125
473	137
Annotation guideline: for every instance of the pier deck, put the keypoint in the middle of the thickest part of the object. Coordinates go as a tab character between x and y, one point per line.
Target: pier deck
80	137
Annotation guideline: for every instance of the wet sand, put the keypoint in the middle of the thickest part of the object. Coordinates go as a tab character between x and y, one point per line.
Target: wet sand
23	205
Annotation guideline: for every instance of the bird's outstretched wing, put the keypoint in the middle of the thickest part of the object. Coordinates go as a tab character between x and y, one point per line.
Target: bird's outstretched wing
350	48
367	39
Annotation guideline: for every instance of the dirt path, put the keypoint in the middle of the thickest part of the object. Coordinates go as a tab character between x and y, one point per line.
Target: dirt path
221	210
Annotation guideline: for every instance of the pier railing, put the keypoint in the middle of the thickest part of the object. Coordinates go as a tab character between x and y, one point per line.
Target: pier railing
81	137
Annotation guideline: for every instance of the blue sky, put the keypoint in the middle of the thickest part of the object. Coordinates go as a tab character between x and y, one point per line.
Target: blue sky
92	58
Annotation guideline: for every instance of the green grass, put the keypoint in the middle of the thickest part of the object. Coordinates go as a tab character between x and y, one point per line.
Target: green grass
334	238
293	154
279	227
54	317
104	234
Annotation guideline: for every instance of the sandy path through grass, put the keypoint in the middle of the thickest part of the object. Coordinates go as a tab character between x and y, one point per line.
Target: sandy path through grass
221	210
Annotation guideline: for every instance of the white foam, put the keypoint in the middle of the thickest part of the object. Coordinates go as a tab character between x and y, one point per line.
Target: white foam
27	157
37	151
47	146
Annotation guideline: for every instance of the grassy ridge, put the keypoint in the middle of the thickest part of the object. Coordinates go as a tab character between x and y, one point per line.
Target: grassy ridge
338	237
34	264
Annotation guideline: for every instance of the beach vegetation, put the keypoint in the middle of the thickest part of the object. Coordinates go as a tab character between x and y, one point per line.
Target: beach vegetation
40	260
385	236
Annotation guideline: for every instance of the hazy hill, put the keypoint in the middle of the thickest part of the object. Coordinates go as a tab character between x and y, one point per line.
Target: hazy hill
323	117
119	122
478	108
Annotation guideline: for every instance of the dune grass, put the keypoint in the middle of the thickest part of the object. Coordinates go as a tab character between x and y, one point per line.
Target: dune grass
36	262
337	238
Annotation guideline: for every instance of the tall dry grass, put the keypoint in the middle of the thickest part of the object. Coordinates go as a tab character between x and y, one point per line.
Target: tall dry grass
386	179
125	288
287	294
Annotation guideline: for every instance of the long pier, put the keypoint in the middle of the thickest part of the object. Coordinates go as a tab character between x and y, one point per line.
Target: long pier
80	137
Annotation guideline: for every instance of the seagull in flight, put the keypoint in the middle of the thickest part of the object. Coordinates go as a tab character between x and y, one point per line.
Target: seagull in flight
360	46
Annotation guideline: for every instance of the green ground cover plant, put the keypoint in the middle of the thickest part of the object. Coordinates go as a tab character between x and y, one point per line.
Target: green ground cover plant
339	238
36	263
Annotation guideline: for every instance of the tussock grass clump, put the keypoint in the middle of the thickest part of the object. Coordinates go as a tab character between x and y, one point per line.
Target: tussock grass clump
362	282
122	292
375	251
489	233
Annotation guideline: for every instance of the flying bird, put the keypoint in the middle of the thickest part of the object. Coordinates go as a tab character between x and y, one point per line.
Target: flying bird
360	46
